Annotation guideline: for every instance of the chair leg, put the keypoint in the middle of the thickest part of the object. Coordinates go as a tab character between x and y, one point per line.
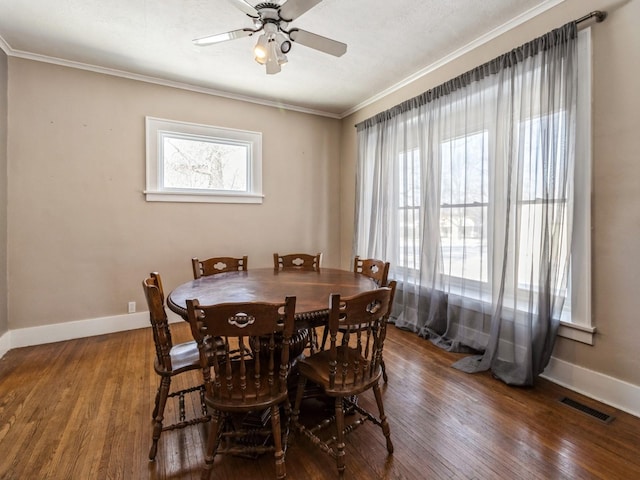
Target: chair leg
383	418
340	453
212	445
384	370
157	401
277	442
295	415
325	334
286	424
161	401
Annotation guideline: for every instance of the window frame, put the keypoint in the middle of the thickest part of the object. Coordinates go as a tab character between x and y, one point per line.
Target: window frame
155	190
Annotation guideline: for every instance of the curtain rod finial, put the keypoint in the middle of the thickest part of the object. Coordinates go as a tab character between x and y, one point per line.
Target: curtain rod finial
600	16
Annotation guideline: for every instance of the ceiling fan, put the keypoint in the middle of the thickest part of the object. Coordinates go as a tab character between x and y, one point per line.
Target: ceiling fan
272	19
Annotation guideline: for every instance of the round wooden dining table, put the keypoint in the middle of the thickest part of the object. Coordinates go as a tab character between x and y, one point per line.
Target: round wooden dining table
311	289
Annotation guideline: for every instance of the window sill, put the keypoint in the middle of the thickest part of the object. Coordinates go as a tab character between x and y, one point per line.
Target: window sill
579	333
156	196
572	331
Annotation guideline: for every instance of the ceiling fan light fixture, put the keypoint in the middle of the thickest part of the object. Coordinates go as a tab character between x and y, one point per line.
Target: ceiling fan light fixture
261	50
274	58
283	43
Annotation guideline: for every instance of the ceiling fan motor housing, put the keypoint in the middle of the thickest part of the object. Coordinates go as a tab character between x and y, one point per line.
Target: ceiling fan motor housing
271	5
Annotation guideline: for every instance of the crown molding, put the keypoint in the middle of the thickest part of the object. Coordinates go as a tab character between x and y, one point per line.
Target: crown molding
158	81
4	46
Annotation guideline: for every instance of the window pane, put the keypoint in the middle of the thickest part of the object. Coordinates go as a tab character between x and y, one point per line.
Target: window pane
409	178
543	140
191	163
464	242
465	170
543	206
463	213
409	175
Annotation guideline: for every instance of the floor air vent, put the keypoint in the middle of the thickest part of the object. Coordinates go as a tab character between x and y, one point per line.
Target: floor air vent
592	412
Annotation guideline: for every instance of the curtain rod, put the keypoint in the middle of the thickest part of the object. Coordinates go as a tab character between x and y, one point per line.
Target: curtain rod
599	16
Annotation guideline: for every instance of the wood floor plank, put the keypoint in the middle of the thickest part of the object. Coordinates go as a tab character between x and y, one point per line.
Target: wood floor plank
82	410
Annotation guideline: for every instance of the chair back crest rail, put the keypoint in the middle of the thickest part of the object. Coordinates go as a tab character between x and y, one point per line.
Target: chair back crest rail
297	261
215	265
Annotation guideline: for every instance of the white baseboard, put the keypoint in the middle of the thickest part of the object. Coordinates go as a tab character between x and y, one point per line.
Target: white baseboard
25	337
603	388
5	343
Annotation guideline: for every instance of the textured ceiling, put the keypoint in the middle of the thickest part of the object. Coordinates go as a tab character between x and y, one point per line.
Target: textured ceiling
388	41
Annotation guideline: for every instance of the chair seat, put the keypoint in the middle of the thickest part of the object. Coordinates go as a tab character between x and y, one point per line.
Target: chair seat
316	369
184	356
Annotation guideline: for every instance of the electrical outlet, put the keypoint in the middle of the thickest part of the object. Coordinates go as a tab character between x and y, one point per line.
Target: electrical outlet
132	307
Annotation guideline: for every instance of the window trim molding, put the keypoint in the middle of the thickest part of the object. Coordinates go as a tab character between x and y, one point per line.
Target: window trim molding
154	191
581	327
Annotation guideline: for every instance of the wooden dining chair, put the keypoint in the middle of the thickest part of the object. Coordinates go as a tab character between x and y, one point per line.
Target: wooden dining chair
378	271
348	368
297	261
252	380
214	265
302	262
171	360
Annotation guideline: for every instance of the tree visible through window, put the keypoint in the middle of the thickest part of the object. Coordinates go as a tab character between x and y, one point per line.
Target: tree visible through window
204	165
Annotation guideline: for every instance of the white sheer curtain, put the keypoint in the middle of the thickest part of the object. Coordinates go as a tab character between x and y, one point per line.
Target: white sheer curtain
468	191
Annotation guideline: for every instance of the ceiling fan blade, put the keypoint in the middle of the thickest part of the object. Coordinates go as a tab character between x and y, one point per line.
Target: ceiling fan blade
245	7
318	42
222	37
292	9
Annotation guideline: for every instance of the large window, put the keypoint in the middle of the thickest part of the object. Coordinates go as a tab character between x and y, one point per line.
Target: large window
198	163
465	245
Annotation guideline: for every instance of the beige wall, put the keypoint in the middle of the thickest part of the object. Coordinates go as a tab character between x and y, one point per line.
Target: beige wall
4	323
82	236
616	196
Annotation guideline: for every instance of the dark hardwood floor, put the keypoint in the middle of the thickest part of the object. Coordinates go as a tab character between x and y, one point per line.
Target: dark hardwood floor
82	410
